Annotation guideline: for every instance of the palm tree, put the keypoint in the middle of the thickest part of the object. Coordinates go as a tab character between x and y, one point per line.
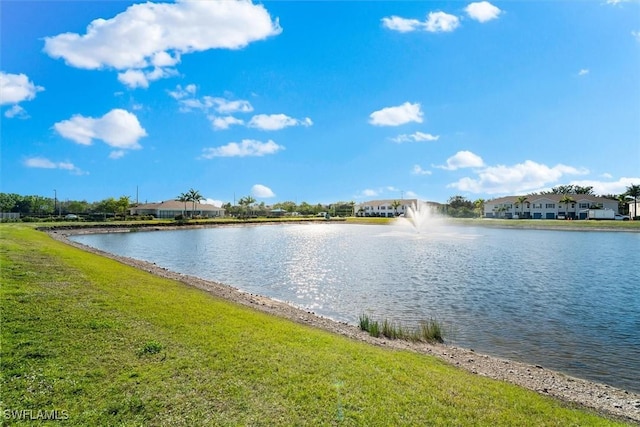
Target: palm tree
566	199
521	201
194	197
634	191
246	202
183	197
479	207
395	205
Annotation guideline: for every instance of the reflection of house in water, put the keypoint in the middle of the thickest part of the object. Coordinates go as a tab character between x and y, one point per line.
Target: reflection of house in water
547	206
173	208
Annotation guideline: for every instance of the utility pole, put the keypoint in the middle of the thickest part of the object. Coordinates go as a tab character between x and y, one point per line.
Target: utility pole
55	201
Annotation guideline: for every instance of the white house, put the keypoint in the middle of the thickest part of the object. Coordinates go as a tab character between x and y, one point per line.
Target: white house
632	209
384	208
546	206
172	208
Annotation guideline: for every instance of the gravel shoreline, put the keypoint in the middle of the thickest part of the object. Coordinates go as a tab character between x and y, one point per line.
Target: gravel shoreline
610	401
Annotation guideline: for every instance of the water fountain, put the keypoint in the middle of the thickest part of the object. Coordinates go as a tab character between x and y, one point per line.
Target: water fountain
420	217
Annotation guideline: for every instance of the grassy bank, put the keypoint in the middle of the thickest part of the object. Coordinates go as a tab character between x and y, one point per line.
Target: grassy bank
105	344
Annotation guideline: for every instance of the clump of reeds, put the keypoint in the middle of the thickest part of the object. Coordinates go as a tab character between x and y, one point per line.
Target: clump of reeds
430	330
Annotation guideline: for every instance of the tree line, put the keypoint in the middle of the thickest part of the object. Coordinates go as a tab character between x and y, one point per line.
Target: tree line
48	206
456	206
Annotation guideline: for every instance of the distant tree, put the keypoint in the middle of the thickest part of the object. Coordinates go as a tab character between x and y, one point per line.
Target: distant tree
305	208
287	206
8	201
123	204
78	207
108	205
478	207
634	191
570	189
460	207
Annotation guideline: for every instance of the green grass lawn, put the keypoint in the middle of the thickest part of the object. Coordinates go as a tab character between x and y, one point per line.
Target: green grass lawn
106	344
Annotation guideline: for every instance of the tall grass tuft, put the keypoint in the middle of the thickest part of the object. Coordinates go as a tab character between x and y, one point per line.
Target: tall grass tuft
430	330
365	322
374	328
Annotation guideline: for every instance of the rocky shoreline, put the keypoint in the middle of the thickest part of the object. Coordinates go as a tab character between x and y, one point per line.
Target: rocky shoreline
610	401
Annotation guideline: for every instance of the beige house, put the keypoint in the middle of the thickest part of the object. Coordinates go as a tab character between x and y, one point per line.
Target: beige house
546	206
172	208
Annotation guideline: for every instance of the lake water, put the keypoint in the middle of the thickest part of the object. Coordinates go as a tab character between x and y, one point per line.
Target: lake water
566	300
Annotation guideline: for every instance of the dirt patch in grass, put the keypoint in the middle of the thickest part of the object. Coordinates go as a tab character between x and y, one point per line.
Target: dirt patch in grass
603	398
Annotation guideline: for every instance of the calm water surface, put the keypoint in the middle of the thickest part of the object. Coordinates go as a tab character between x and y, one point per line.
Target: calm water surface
567	300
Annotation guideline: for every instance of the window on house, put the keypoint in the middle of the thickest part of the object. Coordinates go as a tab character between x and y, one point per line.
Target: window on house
550	205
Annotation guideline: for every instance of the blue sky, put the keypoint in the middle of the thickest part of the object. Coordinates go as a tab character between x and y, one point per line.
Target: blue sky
318	101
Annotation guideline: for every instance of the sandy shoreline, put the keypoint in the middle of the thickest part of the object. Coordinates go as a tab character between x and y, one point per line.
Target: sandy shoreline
621	404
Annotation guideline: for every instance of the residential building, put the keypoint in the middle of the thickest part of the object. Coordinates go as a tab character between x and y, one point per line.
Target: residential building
546	206
173	208
384	208
632	209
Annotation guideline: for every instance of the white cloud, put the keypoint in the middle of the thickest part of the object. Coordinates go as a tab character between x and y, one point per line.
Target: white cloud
608	187
415	137
417	170
522	177
246	148
482	11
441	22
583	72
396	116
222	123
276	121
262	192
402	25
463	159
636	35
16	111
181	92
213	202
116	154
155	35
118	128
238	106
44	163
16	88
138	78
436	22
372	192
188	102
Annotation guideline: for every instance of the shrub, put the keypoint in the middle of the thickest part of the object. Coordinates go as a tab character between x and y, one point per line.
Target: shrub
150	347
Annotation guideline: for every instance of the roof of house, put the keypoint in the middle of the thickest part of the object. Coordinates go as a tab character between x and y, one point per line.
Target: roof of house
175	205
